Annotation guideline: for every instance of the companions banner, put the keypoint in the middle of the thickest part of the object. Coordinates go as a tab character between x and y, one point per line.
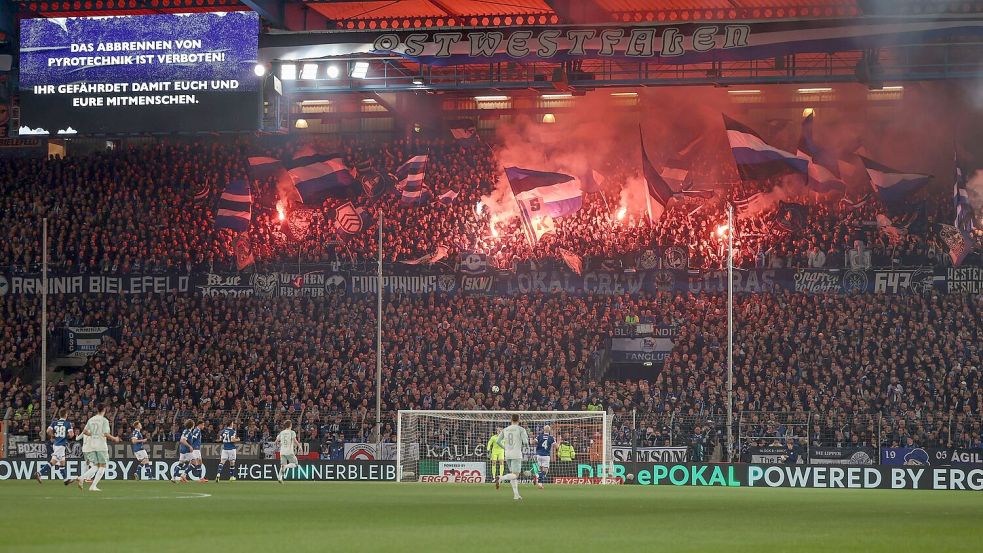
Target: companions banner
401	280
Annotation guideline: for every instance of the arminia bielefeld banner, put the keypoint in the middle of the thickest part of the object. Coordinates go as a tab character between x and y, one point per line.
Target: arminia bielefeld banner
793	476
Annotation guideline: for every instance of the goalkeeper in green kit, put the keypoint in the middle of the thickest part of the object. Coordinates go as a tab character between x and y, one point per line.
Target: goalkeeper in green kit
496	456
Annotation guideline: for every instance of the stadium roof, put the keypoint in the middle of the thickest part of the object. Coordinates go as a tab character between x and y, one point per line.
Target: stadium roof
301	15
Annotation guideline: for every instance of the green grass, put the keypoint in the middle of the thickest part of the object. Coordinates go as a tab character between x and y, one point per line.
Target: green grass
144	517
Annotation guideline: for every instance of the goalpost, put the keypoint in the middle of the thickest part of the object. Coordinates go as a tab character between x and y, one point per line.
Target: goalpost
449	446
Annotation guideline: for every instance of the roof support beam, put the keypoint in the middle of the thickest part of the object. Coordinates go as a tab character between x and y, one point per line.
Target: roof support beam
443	4
270	10
578	11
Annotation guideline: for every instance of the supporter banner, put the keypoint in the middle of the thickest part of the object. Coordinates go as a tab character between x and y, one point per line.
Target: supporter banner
803	476
964	279
925	456
842	456
318	283
84	341
655	348
128	469
369	452
95	284
769	455
650	454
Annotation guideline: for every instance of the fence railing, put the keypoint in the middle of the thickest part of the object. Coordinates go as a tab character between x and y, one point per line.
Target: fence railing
636	428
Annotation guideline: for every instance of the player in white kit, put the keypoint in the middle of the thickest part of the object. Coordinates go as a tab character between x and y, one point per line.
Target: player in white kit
514	438
288	455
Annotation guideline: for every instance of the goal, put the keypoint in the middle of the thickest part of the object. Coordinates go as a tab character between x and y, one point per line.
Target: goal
449	446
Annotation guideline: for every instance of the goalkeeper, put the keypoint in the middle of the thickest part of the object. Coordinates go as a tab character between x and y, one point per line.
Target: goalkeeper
496	456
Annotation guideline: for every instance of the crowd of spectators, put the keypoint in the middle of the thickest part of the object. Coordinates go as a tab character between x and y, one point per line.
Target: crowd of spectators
134	209
871	368
910	364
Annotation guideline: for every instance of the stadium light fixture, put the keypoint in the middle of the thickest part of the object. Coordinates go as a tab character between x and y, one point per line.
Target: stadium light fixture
308	72
288	72
333	72
369	101
556	96
259	69
301	124
817	90
743	92
418	81
360	69
895	88
490	98
625	94
549	118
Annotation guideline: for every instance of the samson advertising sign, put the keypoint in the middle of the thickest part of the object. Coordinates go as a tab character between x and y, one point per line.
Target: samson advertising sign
649	454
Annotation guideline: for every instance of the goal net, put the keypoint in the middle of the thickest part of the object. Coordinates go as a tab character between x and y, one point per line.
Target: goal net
450	446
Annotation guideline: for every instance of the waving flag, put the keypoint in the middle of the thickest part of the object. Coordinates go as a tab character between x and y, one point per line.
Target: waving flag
410	176
463	129
201	193
243	249
886	226
318	177
960	197
658	189
893	187
235	207
447	198
557	194
592	182
959	242
351	221
792	216
755	158
429	259
574	261
823	175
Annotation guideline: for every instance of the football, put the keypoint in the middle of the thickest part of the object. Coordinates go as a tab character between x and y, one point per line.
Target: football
495	389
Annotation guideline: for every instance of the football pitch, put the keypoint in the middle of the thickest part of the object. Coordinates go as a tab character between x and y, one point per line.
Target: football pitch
147	517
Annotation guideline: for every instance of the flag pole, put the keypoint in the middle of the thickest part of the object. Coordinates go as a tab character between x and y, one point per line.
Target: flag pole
378	346
44	324
730	331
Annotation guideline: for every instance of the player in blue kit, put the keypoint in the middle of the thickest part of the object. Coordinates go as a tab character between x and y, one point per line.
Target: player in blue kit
545	443
229	440
196	465
136	444
59	432
184	452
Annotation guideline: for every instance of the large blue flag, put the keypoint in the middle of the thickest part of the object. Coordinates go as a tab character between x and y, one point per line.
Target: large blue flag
755	158
235	207
824	171
318	177
557	194
893	187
